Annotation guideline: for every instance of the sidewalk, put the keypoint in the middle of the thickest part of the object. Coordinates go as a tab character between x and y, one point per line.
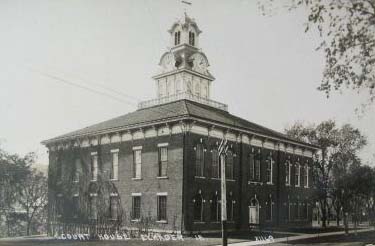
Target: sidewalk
25	238
294	238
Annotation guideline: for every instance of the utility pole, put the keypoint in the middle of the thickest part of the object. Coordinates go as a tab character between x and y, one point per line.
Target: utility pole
222	151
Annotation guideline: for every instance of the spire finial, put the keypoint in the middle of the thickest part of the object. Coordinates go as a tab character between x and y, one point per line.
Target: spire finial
186	4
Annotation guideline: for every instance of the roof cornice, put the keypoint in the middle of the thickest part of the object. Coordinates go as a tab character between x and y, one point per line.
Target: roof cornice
208	77
177	119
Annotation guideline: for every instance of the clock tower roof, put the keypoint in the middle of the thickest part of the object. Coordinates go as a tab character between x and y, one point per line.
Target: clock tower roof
185	22
183	68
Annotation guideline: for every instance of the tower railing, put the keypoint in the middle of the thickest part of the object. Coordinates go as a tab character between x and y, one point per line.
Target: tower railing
180	96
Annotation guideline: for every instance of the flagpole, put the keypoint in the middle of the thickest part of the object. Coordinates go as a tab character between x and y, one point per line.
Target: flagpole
223	199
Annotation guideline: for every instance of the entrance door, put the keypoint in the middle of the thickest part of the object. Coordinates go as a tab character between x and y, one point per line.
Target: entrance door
253	215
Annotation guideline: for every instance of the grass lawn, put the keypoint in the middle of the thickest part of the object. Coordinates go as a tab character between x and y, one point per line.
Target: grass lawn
209	239
361	239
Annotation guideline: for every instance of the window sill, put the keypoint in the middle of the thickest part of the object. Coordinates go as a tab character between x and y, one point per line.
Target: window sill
75	181
162	177
219	179
269	183
287	185
135	220
297	186
113	179
93	180
136	178
162	221
255	182
200	177
199	222
306	187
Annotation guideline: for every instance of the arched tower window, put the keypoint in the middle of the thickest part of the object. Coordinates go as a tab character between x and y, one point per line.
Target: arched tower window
197	89
192	38
198	207
177	38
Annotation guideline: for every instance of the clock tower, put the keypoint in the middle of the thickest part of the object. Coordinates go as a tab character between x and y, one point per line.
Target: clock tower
183	72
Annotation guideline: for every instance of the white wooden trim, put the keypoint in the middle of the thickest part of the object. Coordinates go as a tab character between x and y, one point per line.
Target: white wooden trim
137	194
162	194
163	144
137	147
115	150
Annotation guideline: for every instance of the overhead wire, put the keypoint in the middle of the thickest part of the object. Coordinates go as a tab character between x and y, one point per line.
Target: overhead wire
68	82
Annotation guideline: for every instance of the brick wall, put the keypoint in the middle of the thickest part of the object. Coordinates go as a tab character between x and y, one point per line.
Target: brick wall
243	190
149	184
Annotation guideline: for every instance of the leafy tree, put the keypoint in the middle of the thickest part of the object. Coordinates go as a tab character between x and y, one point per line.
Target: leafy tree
347	29
339	147
356	188
13	171
33	197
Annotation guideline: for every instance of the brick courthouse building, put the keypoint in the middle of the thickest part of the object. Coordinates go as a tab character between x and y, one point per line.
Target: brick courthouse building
159	164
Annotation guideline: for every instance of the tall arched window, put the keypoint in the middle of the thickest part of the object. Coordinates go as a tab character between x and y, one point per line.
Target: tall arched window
257	167
230	207
269	169
305	210
288	210
215	207
192	38
251	167
199	160
297	174
215	161
177	38
287	172
254	211
269	208
229	164
198	207
297	210
302	176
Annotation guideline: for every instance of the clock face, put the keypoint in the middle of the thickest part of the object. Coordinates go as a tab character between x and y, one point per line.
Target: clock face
168	62
200	63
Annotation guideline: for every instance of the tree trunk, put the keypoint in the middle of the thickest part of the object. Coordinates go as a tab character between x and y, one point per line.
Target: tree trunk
324	214
345	214
8	225
28	229
338	220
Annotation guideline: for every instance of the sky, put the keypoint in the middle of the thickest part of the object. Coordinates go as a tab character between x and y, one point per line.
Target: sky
266	68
